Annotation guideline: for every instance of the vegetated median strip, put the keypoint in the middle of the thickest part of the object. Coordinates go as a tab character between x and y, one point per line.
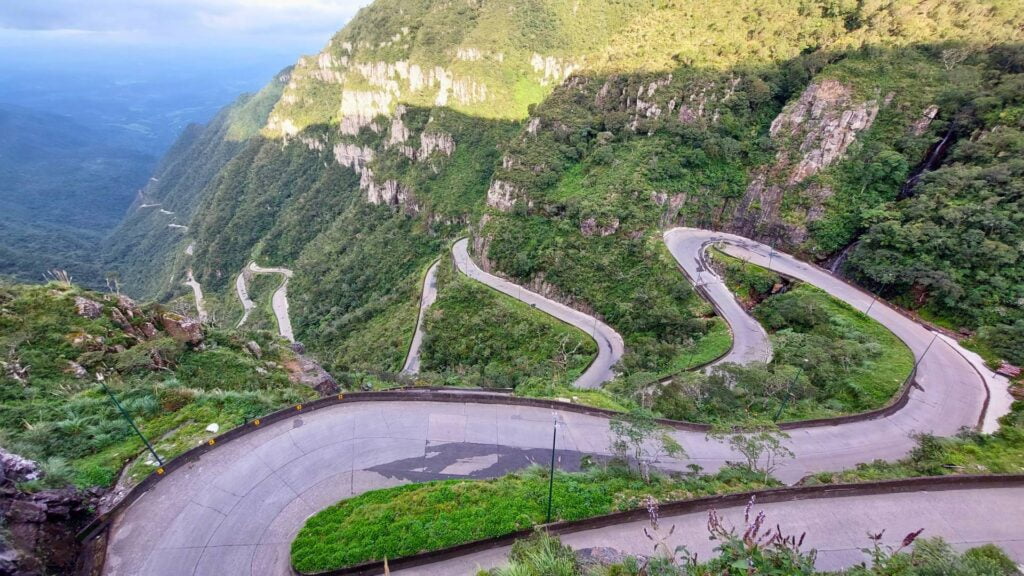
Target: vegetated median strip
279	299
944	368
881	489
858	364
428	295
408	519
610	344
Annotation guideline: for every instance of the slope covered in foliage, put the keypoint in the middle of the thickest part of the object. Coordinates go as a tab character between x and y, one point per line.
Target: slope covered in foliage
147	250
173	377
565	138
63	187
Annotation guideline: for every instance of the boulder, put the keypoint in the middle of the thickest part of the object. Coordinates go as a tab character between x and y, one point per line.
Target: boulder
88	308
15	468
254	349
183	329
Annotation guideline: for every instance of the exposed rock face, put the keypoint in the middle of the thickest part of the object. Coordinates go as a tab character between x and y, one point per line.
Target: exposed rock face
672	204
552	70
828	123
921	125
590	227
88	308
399	133
811	133
502	195
40	527
431	142
703	101
390	192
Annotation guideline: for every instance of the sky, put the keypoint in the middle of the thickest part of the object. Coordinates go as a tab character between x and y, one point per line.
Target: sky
158	63
295	25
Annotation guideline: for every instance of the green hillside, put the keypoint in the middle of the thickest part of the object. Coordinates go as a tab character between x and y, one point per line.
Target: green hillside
564	137
173	377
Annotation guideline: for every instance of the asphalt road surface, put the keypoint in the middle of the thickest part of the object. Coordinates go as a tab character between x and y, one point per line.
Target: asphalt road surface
427	298
610	346
236	509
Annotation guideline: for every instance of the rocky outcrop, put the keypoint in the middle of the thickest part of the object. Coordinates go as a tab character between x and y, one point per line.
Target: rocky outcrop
40	527
826	121
551	69
15	468
591	227
502	195
702	102
87	308
390	193
431	142
360	107
671	205
307	371
920	126
811	134
182	329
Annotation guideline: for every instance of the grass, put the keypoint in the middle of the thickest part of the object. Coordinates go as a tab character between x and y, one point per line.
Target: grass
172	391
829	359
708	348
414	518
495	340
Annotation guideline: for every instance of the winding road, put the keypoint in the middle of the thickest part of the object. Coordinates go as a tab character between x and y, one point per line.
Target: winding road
750	341
428	296
236	509
610	346
197	293
279	301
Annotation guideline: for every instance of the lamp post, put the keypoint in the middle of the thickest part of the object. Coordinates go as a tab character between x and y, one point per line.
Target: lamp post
551	478
131	423
789	392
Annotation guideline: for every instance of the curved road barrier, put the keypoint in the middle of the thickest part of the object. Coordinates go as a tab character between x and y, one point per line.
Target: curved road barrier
610	346
279	301
233	507
428	296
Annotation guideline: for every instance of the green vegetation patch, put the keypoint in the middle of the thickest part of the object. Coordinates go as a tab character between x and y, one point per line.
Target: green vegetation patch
496	340
829	359
408	519
52	409
544	555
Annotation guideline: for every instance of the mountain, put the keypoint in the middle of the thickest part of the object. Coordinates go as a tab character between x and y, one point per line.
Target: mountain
151	239
564	136
62	189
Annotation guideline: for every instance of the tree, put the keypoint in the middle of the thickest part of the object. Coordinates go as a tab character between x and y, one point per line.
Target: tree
761	446
638	436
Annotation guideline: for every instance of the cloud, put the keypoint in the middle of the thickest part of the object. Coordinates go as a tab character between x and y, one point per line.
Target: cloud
157	19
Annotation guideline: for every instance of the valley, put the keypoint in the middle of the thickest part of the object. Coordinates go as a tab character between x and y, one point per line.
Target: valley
477	280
